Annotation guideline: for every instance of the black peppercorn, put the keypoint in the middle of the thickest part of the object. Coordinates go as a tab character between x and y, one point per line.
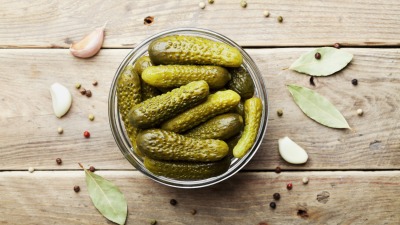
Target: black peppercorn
272	205
77	188
193	212
277	169
318	55
173	202
277	196
354	82
336	45
88	93
92	169
59	161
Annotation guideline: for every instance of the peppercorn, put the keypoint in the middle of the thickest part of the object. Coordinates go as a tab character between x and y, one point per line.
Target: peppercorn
266	13
289	186
91	117
88	93
86	134
305	180
312	81
279	112
277	169
354	82
173	202
211	1
60	130
280	19
95	83
77	85
360	112
153	222
77	188
336	45
318	55
272	205
58	161
202	5
243	4
92	169
193	212
276	196
83	91
31	169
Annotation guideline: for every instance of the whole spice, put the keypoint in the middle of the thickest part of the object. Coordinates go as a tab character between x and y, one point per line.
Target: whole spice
86	134
77	188
360	112
289	186
58	161
312	81
95	83
317	55
202	5
276	196
91	117
211	1
31	169
305	180
266	13
272	205
277	169
83	91
92	169
88	93
280	19
153	222
354	82
173	202
60	130
77	85
336	45
279	112
193	212
89	45
61	98
243	4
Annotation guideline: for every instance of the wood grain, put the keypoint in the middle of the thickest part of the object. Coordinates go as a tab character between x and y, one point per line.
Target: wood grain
55	24
354	198
28	134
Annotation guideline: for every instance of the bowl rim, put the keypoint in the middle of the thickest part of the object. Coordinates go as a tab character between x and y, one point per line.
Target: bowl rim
123	142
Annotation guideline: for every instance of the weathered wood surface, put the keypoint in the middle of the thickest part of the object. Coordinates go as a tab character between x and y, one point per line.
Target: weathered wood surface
54	24
354	198
28	134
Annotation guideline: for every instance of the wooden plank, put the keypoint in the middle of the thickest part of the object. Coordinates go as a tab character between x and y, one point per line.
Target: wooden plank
28	134
55	24
354	198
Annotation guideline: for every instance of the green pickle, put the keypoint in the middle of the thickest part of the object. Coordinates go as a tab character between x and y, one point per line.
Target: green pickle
241	82
147	91
252	117
184	50
129	95
187	170
171	76
166	145
221	127
218	103
155	110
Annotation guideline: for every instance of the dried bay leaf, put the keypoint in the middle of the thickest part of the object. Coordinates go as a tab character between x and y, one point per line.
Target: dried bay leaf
332	60
106	197
317	107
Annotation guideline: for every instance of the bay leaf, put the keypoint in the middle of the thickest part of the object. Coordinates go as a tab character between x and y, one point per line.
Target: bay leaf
317	107
332	60
106	197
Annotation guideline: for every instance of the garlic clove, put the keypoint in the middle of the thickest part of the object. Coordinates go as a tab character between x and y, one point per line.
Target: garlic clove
292	152
61	98
89	45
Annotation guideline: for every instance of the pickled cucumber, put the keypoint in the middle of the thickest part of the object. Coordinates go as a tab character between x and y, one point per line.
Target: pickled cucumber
252	117
239	109
147	91
166	145
241	82
187	170
220	127
177	49
155	110
171	76
129	95
218	103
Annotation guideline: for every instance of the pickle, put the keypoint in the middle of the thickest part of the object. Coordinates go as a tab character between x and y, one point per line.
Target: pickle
252	118
147	91
187	170
218	103
241	82
192	50
155	110
171	76
220	127
166	145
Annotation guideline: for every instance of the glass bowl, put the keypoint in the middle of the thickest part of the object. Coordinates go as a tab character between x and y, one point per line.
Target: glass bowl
122	139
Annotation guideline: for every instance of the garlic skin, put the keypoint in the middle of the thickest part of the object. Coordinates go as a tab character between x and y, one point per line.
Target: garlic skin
61	98
292	152
90	45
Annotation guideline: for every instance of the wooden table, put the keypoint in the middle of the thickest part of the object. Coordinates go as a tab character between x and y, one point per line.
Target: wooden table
355	174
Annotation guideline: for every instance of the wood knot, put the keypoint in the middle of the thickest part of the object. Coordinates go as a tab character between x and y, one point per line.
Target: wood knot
148	20
323	197
302	213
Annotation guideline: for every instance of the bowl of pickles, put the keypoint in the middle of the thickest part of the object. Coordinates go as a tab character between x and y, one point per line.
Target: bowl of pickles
188	107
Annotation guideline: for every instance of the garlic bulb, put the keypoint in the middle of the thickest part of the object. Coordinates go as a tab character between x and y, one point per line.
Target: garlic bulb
89	45
292	152
62	99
